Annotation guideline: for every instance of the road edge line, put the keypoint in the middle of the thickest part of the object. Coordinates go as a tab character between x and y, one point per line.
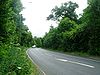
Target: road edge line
35	63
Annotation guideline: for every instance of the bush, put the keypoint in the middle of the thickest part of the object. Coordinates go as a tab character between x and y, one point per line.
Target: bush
13	61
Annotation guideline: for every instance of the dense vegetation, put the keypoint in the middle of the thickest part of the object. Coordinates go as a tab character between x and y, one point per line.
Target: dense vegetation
75	34
14	39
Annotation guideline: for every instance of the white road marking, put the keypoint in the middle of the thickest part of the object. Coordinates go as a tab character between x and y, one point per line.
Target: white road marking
76	63
35	63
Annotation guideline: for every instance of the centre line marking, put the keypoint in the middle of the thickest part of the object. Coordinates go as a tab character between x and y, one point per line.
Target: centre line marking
76	63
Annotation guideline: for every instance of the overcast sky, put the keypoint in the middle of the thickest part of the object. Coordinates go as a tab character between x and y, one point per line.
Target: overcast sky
36	11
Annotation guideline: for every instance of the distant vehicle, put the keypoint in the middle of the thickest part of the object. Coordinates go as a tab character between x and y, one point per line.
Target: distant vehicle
29	2
34	46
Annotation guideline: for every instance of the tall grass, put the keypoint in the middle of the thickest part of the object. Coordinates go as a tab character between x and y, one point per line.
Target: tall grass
14	61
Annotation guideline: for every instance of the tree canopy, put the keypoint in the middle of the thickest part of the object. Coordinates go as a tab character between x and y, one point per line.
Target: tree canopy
14	37
65	10
72	36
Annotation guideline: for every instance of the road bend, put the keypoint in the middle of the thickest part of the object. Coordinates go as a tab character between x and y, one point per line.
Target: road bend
54	63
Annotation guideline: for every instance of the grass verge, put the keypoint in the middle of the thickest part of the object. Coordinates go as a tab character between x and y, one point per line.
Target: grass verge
34	69
14	61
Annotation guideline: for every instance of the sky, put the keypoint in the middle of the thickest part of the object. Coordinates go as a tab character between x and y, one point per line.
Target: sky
36	11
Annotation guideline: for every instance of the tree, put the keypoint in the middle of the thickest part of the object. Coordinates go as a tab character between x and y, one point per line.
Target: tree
70	35
66	25
57	38
7	23
91	20
13	35
38	41
65	10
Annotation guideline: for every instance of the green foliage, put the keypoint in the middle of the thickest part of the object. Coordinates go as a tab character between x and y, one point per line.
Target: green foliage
65	10
13	59
13	35
51	39
60	37
12	29
7	24
26	38
66	25
70	35
37	41
91	20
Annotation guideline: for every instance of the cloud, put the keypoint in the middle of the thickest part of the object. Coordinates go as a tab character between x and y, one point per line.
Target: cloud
36	12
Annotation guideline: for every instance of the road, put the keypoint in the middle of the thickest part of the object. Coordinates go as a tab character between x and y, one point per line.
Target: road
54	63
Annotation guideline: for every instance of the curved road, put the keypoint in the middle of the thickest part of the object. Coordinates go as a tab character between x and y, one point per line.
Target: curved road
54	63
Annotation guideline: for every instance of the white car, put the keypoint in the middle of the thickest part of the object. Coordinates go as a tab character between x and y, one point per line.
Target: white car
34	46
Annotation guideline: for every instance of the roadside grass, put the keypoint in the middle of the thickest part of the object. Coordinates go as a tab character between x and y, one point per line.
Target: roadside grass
33	68
14	61
81	54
